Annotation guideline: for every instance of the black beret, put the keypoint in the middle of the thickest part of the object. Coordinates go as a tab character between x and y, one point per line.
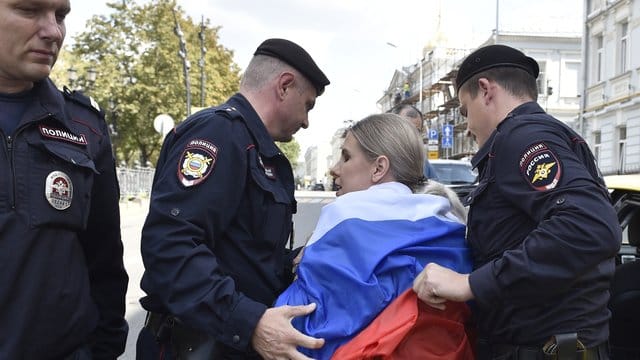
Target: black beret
493	56
294	55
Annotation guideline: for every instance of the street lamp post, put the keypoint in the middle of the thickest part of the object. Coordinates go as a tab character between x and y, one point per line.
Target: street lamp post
92	74
72	73
185	62
113	127
201	63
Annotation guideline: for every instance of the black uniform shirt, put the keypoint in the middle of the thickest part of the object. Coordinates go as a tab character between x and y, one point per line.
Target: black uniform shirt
214	242
542	232
62	279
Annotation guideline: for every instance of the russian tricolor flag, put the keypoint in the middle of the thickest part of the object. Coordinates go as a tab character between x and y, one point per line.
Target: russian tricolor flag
367	249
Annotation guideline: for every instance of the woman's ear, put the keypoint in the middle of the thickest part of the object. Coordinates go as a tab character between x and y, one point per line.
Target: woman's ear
381	168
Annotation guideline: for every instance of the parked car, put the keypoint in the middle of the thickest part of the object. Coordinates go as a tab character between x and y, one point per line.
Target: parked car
317	187
625	196
458	175
625	286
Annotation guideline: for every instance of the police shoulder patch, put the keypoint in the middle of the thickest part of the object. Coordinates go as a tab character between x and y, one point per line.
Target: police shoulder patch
197	161
540	167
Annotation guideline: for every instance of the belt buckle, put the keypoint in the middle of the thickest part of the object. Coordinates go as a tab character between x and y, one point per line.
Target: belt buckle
551	349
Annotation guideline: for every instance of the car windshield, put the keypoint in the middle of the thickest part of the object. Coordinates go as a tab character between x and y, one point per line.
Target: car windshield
454	173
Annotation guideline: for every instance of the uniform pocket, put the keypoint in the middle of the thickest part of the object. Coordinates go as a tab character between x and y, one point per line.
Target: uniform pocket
272	205
59	185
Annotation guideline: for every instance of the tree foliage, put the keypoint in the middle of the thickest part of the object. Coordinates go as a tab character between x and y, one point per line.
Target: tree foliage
134	49
291	150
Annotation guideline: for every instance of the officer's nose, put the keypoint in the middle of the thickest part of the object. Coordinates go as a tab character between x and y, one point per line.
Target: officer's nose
305	122
51	27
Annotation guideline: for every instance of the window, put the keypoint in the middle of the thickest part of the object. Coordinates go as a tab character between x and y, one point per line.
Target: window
596	5
598	58
622	140
623	34
542	76
596	145
570	76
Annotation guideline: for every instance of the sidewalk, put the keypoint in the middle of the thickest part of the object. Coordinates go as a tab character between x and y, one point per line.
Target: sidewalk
132	216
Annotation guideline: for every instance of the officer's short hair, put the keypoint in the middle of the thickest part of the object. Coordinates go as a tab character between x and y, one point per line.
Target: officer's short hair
294	55
262	69
515	81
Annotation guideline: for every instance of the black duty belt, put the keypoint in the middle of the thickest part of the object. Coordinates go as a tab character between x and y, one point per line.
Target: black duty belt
505	352
560	347
185	343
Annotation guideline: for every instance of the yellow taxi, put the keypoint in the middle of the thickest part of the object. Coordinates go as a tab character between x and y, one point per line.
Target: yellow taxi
625	195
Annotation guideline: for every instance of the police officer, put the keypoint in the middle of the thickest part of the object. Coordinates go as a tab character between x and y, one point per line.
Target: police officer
214	244
414	115
541	227
62	279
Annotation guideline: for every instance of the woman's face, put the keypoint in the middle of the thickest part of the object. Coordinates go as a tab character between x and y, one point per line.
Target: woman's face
354	171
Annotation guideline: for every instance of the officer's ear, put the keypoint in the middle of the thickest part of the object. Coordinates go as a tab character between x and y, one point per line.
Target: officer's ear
285	83
486	88
483	86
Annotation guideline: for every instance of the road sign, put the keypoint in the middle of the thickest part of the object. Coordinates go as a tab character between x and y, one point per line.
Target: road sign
163	123
433	134
447	131
447	142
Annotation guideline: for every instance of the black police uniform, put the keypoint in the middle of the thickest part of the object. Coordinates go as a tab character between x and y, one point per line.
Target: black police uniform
62	279
214	242
543	234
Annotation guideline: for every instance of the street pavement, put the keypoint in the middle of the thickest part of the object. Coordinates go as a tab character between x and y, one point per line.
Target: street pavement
133	214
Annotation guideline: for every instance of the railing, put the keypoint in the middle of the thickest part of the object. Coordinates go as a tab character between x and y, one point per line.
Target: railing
135	182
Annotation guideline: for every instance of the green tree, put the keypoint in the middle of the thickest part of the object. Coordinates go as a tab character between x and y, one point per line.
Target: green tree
291	150
140	75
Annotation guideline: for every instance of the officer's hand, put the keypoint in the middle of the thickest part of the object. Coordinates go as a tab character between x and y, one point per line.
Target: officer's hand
275	337
436	284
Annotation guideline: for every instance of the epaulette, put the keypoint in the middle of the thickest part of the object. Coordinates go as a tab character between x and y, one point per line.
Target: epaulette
82	99
228	111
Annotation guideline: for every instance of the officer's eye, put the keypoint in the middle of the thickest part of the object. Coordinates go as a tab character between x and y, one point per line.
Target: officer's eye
463	110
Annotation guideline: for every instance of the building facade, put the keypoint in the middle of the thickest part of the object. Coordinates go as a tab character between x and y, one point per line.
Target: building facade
317	161
610	109
559	84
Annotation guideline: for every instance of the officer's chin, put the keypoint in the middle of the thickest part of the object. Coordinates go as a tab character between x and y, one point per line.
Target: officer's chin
284	138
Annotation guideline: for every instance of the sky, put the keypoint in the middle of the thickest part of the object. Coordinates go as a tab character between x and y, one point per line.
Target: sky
349	39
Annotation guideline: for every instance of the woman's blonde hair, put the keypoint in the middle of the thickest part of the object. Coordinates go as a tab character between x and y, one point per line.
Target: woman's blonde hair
396	138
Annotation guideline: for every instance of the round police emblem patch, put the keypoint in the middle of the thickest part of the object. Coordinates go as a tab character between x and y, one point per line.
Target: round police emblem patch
58	190
540	167
196	162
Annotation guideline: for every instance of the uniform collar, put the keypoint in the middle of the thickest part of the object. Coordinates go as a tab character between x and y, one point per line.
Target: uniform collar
530	107
483	151
265	144
47	100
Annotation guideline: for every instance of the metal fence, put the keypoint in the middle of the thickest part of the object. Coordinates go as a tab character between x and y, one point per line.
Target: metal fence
135	182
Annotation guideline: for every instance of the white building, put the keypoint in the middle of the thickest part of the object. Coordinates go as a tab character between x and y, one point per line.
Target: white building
317	161
558	56
610	118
